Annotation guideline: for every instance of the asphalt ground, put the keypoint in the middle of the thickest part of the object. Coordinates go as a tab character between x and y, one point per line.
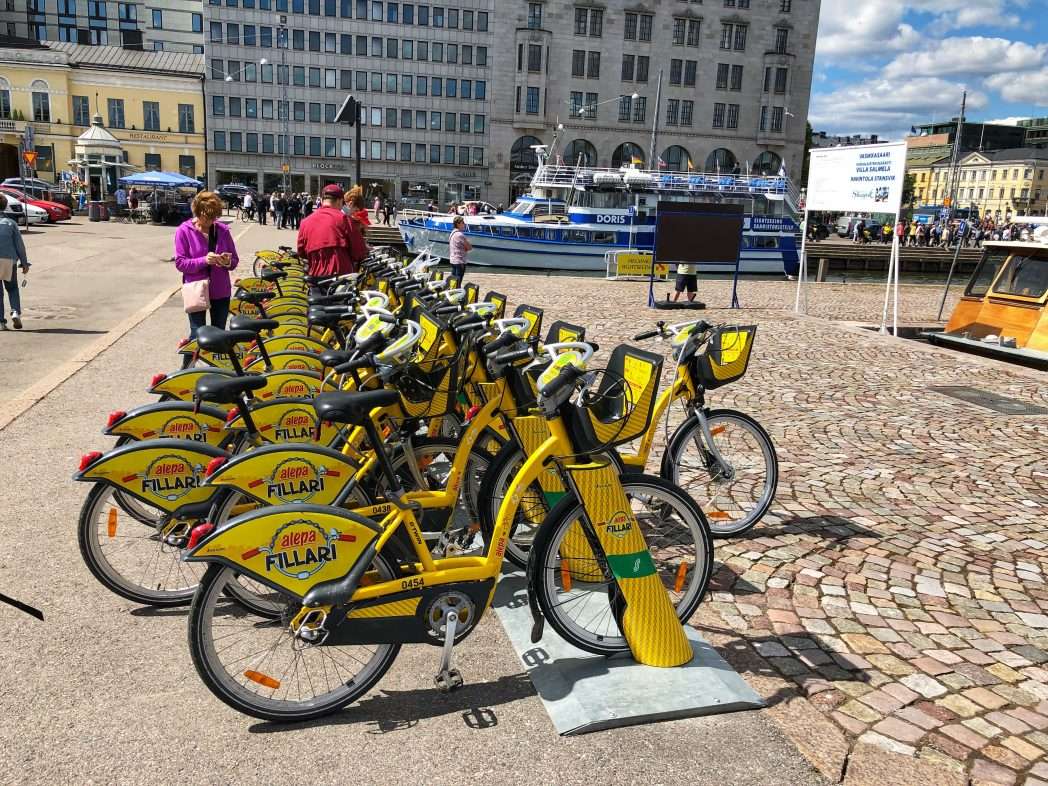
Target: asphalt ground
103	691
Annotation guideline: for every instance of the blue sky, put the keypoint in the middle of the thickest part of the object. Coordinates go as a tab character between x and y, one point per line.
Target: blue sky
884	65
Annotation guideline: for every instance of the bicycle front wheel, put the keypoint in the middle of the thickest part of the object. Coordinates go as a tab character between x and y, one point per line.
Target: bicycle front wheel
256	666
575	589
736	495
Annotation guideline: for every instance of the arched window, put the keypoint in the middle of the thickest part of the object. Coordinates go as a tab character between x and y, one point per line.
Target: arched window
627	154
522	165
580	152
676	159
767	163
5	99
41	101
722	160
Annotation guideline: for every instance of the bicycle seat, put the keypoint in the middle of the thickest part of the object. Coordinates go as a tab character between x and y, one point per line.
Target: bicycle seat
254	325
352	408
272	275
226	390
316	280
255	297
215	339
335	357
328	319
281	264
334	299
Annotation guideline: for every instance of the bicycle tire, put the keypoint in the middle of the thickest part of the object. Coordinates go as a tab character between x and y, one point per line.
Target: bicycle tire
685	436
533	505
543	567
218	680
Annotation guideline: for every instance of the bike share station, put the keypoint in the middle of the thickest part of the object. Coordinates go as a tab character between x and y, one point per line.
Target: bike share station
673	673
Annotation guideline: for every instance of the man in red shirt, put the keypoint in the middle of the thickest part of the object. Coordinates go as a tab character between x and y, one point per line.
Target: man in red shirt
328	239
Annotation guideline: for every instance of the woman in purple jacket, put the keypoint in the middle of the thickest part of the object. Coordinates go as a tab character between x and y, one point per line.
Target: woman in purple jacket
204	249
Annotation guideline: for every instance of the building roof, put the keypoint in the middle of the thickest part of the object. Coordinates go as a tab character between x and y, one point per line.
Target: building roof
175	63
1017	154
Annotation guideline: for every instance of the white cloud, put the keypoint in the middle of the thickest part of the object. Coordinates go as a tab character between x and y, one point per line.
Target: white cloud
984	14
888	107
1003	121
1030	87
968	55
875	26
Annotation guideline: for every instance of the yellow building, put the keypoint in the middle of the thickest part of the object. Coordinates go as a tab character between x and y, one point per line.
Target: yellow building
999	183
151	102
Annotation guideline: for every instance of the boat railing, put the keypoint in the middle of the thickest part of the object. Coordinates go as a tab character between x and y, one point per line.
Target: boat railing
562	176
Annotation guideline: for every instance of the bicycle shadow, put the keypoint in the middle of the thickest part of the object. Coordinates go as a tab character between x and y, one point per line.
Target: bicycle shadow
392	710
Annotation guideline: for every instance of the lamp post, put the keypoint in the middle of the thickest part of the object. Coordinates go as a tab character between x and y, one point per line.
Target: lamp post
285	165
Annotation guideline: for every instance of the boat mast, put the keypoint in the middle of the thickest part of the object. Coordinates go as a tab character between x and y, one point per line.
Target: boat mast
955	158
655	124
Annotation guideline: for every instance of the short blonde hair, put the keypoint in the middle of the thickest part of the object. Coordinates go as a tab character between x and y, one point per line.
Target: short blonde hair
208	204
355	197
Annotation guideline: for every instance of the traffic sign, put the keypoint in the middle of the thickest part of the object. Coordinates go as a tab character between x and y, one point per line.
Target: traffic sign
29	156
947	202
285	168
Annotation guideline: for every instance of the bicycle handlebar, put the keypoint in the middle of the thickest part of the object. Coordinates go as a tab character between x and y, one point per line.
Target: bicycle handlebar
512	356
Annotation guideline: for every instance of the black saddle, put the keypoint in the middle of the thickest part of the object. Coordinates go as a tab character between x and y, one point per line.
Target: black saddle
255	297
315	280
335	357
272	275
334	299
215	339
352	408
226	390
281	264
256	326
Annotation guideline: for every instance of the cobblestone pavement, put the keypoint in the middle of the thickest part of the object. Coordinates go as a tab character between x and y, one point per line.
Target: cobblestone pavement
894	600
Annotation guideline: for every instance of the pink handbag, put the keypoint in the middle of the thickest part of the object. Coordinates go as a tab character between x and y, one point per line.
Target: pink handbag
195	296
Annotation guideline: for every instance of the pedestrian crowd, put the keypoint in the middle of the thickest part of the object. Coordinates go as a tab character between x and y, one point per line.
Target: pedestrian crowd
941	233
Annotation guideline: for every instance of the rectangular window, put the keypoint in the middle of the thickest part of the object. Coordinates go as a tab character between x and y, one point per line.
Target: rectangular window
687	111
782	40
451	88
453	18
407	84
186	119
114	105
593	65
267	108
219	143
776	119
423	15
437	51
535	59
733	116
740	38
315	146
676	69
423	50
534	15
407	49
781	75
197	22
391	83
532	105
234	106
481	92
436	86
298	109
265	36
645	27
464	122
438	16
392	48
408	16
479	124
314	77
218	106
422	85
693	32
435	120
672	111
640	106
482	56
764	118
267	73
449	154
232	34
625	109
376	82
329	113
627	68
81	109
718	115
405	118
453	53
249	35
151	115
391	117
299	143
298	39
450	121
723	69
690	72
393	12
642	68
680	31
267	143
158	19
736	77
434	154
421	119
235	142
785	6
578	62
216	32
251	143
629	29
727	35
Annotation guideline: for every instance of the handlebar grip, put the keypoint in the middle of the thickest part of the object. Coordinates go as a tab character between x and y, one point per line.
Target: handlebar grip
389	319
512	356
440	310
465	327
646	335
361	362
499	342
566	377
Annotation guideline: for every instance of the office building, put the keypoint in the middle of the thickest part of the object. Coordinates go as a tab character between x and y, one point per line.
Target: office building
822	139
154	25
999	183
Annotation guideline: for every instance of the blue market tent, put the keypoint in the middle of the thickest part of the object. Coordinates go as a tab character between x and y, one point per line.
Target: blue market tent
160	180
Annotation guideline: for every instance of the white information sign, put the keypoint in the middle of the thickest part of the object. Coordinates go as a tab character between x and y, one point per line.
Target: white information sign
859	179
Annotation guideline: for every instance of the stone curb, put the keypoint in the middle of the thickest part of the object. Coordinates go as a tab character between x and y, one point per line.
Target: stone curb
27	398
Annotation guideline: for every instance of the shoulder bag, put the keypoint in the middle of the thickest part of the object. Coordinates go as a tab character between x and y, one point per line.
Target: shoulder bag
196	295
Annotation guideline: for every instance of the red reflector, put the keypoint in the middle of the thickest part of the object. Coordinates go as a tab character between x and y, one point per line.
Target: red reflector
472	412
88	459
157	379
249	359
232	415
200	531
213	465
183	342
114	417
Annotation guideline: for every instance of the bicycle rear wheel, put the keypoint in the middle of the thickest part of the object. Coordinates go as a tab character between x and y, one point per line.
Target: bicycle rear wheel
733	499
256	666
575	589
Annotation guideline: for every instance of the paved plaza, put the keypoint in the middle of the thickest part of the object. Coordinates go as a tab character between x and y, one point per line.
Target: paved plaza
891	609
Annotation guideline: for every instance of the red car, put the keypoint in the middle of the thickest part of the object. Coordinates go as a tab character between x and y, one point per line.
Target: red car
55	211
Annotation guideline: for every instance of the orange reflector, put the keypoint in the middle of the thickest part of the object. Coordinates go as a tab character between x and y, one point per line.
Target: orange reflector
718	514
262	679
682	572
424	462
717	430
111	528
565	574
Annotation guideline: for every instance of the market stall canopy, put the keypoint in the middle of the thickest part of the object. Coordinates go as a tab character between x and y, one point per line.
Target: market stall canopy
160	180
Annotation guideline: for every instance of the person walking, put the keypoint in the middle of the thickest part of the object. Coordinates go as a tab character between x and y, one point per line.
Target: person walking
281	209
249	206
294	211
356	208
12	257
204	250
459	246
307	205
329	239
263	208
132	199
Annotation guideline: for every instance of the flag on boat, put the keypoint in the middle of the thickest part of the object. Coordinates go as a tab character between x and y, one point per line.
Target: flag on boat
662	164
636	161
690	165
782	170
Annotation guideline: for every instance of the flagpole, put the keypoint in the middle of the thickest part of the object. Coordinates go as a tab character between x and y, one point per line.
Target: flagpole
655	120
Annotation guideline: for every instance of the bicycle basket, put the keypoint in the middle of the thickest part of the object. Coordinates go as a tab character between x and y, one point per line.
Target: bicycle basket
561	332
534	317
500	303
726	355
625	397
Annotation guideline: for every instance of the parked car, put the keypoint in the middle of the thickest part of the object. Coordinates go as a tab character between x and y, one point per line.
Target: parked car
233	193
23	213
818	231
55	211
414	203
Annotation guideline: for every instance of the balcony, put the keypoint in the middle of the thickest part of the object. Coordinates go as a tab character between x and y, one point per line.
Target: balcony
8	126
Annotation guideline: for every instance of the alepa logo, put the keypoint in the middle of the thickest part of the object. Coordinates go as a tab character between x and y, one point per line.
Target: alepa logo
300	548
184	428
169	477
296	346
294	425
295	480
296	365
295	388
619	525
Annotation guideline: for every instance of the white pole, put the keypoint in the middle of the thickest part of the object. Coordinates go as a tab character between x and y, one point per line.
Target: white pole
802	273
887	291
898	264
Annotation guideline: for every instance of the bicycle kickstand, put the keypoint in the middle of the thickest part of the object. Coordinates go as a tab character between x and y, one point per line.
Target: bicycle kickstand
448	678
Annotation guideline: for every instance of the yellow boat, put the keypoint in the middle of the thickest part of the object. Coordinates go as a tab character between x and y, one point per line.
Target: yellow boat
1004	309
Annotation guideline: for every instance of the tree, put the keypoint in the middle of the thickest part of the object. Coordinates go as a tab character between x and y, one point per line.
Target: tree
807	154
908	187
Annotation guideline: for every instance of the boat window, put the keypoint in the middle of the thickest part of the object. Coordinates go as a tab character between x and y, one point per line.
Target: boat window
519	207
603	237
762	241
985	273
1025	276
507	231
577	236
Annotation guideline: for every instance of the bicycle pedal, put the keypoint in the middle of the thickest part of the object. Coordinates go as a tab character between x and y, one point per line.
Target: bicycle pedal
448	681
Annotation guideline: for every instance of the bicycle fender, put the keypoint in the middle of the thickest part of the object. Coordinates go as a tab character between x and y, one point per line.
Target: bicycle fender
679	434
252	284
165	473
182	383
172	420
291	361
290	548
289	383
295	343
288	420
282	475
